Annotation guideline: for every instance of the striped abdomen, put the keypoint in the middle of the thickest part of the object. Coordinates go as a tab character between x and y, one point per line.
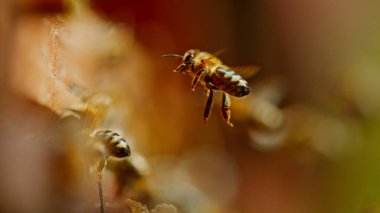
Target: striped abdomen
114	143
228	81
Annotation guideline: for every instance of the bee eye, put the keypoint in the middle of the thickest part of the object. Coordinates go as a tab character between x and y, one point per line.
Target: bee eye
188	58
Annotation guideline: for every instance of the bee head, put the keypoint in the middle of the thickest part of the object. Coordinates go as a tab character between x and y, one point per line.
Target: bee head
188	57
187	60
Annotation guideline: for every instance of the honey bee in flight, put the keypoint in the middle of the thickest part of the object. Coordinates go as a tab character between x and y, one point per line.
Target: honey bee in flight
210	71
115	146
93	111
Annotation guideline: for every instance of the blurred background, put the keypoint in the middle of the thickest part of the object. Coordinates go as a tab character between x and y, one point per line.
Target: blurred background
306	140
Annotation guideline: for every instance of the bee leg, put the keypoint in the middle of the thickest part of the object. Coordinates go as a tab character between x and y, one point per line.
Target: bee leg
101	166
208	105
226	113
196	79
180	68
203	70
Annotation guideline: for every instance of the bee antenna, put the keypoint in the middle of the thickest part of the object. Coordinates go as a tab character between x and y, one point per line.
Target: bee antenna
172	56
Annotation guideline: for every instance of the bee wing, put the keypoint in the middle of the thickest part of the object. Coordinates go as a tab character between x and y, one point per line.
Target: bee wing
246	72
97	108
219	52
92	110
216	54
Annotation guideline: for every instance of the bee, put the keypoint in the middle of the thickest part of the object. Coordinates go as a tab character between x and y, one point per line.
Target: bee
93	111
210	71
115	146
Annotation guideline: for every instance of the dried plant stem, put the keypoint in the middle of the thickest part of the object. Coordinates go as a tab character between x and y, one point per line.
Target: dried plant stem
54	46
101	166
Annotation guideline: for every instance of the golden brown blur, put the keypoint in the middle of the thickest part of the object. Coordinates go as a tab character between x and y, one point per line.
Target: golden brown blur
306	140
